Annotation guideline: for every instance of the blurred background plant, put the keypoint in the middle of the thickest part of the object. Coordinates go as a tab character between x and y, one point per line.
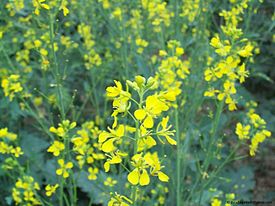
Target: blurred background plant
208	65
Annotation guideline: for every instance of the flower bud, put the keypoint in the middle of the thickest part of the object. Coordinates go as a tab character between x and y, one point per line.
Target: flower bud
140	80
133	85
152	83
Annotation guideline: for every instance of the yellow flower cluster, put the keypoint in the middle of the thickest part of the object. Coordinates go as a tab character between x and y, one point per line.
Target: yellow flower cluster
158	13
160	191
86	148
173	66
91	58
141	44
25	191
135	21
58	146
63	6
63	128
229	68
147	110
40	4
7	143
140	163
18	5
232	19
255	130
11	86
190	9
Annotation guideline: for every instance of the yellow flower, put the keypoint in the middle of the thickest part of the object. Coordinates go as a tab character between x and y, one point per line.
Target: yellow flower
63	170
113	158
211	74
63	128
146	141
153	107
221	49
216	42
11	86
229	88
117	13
63	7
165	131
3	132
105	3
258	138
162	53
120	105
256	120
216	202
92	173
211	92
242	131
16	196
107	139
9	135
246	51
56	148
117	91
141	43
28	196
153	161
110	182
139	175
38	4
242	73
179	51
50	189
17	151
5	148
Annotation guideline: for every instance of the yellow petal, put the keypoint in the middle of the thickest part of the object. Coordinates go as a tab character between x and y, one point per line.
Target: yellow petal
144	178
170	140
107	166
150	141
59	172
221	96
65	174
108	146
140	114
148	122
69	165
115	122
115	160
164	122
133	177
103	136
120	131
163	177
61	162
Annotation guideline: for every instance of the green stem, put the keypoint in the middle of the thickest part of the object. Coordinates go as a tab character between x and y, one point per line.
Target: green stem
56	69
61	192
178	158
213	135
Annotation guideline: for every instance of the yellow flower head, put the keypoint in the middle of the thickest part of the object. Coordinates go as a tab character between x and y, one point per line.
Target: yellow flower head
64	167
50	189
